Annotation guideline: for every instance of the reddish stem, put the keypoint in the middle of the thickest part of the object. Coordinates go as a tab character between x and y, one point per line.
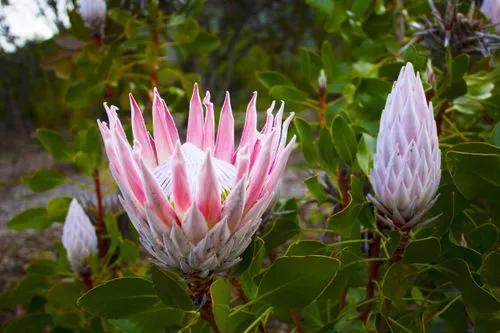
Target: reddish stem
100	225
199	288
297	321
373	269
322	106
86	277
344	187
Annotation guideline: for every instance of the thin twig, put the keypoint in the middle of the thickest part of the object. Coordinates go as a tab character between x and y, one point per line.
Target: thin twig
100	224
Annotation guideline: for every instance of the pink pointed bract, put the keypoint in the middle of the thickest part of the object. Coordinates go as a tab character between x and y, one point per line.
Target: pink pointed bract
196	205
407	162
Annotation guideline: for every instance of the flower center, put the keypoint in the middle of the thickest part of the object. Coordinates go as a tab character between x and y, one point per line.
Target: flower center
194	158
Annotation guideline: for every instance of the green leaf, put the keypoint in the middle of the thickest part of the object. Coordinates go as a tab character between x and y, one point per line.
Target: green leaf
344	222
154	320
495	135
32	323
474	169
170	289
118	298
294	282
365	151
43	180
305	135
344	139
32	218
270	79
484	237
426	250
54	143
285	227
307	247
397	281
490	269
289	94
57	209
474	296
64	295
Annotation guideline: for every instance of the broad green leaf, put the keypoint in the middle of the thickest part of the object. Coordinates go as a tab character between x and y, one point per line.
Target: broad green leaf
54	143
294	282
490	269
119	298
495	135
364	153
484	237
474	169
32	218
170	289
474	296
32	323
344	222
344	139
289	94
158	319
397	281
43	180
304	130
283	228
307	247
57	209
270	79
426	250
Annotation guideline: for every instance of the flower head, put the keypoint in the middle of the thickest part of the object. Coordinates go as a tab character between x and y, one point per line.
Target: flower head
407	162
78	237
93	13
491	9
196	205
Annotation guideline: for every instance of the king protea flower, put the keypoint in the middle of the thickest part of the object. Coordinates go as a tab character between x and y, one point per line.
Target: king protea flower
197	204
407	162
93	13
78	237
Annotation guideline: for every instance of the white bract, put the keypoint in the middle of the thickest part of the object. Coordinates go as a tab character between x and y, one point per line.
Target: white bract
407	162
93	13
79	237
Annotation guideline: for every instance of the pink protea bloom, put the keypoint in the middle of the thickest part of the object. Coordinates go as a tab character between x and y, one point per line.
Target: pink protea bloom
407	162
197	205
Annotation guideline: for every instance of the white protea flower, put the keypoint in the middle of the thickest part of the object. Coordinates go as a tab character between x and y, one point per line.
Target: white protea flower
407	162
78	237
197	205
93	13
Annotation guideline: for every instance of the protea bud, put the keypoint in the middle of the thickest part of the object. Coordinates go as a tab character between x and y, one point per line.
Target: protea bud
93	13
78	237
196	205
322	80
491	9
407	162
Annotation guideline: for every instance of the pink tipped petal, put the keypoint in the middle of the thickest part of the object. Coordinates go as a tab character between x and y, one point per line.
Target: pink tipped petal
234	204
259	171
224	148
195	120
129	167
194	225
114	122
250	126
209	129
180	183
163	143
141	134
156	198
279	167
242	165
209	196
